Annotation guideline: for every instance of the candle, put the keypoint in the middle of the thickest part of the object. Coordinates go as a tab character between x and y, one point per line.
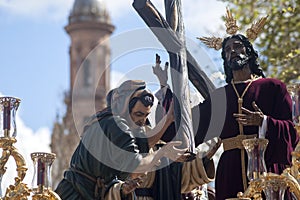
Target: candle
257	159
40	172
6	117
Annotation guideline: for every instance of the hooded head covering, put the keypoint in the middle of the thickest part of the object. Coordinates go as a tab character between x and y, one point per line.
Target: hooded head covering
124	93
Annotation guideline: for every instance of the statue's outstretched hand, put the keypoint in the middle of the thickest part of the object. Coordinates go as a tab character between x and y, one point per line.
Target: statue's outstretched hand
162	74
170	151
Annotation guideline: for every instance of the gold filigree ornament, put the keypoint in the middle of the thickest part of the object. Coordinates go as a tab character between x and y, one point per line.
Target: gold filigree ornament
231	29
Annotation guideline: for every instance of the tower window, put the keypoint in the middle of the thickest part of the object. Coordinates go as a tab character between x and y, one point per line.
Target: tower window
87	75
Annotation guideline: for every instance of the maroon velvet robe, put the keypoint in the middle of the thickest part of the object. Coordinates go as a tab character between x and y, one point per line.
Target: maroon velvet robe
216	119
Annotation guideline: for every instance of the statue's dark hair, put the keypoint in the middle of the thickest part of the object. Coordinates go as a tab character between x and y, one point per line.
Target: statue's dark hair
253	63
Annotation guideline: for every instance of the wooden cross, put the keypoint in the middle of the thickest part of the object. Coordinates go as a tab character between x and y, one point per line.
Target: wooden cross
171	34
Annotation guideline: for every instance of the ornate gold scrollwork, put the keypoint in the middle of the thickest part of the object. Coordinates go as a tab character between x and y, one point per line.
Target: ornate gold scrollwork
19	190
290	178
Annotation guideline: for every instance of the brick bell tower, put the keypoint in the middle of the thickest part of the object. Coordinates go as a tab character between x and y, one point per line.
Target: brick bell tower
89	28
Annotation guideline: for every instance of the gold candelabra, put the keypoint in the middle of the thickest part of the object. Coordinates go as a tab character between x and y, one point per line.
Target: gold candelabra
273	185
41	184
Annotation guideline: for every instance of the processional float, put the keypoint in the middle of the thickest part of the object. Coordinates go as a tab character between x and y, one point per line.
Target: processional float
41	183
170	33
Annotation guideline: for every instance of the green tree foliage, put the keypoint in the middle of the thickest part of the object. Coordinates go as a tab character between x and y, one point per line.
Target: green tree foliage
279	42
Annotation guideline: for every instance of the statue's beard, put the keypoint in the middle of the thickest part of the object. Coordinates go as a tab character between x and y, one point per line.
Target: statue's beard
239	62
